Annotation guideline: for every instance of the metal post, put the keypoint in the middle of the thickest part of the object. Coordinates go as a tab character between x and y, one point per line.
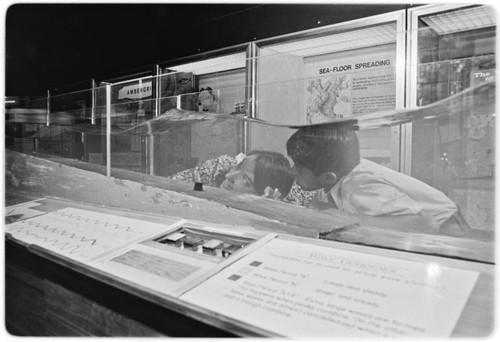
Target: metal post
93	103
48	108
140	103
179	102
251	83
108	130
250	92
157	94
150	139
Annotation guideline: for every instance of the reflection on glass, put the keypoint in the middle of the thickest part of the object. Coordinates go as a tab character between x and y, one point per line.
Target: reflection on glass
192	125
455	152
342	74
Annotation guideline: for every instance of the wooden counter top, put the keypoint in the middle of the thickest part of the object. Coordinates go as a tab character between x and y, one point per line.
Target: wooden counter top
477	319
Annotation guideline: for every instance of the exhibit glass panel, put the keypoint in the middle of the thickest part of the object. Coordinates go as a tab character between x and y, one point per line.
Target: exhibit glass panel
455	71
340	72
50	126
22	122
198	102
128	104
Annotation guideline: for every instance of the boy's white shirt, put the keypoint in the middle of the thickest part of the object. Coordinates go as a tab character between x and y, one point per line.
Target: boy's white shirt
373	189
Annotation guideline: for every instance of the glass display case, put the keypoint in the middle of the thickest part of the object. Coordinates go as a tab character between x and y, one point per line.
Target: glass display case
417	86
454	66
176	186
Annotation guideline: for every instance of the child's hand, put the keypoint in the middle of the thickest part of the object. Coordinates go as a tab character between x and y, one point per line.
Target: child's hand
273	194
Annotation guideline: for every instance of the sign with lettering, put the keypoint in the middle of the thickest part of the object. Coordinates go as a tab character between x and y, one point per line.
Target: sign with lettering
136	91
354	66
301	290
349	83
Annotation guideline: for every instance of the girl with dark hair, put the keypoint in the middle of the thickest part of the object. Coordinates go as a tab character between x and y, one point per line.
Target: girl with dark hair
263	173
259	171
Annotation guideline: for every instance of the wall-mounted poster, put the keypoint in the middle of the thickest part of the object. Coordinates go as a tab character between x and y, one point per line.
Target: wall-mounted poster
349	83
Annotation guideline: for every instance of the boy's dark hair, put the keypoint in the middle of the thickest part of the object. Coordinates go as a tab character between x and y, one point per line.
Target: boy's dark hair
324	148
272	169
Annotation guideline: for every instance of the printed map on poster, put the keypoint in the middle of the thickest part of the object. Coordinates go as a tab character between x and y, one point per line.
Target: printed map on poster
301	290
328	98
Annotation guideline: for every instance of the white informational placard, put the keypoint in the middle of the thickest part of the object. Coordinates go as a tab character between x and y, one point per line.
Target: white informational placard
300	290
82	235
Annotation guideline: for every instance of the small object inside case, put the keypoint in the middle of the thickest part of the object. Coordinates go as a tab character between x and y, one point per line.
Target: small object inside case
227	251
203	241
213	247
174	239
192	242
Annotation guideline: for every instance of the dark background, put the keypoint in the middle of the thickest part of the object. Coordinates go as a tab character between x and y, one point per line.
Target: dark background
50	46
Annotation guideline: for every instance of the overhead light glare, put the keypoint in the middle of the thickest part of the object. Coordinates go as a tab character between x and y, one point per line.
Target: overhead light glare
461	20
370	36
217	64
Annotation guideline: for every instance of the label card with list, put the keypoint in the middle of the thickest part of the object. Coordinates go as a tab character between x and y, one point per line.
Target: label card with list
300	290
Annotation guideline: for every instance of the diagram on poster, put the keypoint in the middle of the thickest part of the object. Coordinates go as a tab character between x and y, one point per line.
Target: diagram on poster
300	290
80	234
328	98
